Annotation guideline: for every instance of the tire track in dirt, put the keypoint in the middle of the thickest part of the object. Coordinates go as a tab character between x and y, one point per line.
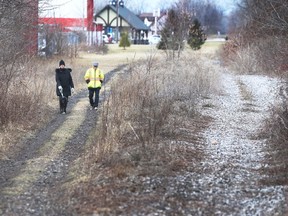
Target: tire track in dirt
43	161
49	151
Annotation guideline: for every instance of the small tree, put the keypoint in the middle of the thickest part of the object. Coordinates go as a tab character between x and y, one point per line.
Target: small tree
124	41
196	36
171	34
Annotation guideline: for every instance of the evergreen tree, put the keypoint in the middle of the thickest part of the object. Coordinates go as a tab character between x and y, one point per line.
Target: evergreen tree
196	36
124	41
171	34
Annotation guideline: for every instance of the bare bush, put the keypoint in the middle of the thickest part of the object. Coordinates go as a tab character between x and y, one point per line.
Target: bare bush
276	133
267	17
16	38
272	54
263	26
267	55
28	98
146	107
246	61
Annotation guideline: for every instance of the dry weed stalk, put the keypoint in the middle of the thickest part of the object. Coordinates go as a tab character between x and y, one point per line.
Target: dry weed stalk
147	104
27	95
276	149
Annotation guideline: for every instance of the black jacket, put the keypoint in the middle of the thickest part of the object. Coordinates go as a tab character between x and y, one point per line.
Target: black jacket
64	79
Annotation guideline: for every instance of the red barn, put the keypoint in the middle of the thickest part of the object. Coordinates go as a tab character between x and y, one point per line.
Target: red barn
68	16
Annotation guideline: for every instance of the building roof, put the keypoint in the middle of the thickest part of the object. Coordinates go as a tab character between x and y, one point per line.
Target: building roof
64	22
148	16
133	20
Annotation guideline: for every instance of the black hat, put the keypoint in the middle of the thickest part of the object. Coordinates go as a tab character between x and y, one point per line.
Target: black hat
61	63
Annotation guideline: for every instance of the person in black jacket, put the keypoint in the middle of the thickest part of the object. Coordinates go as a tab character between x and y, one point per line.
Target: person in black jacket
64	85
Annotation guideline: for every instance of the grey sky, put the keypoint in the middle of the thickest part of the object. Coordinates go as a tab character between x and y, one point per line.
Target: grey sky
150	5
77	8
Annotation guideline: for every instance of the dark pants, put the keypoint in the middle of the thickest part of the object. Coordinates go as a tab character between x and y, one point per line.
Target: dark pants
94	93
63	103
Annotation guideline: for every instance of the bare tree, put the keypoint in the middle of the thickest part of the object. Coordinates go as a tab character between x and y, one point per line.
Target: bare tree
18	37
262	18
212	18
263	24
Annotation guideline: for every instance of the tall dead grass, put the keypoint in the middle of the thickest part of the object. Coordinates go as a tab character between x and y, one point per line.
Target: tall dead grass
27	96
146	107
264	56
276	132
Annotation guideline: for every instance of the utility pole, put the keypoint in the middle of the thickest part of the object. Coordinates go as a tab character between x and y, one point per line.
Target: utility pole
117	4
156	14
156	25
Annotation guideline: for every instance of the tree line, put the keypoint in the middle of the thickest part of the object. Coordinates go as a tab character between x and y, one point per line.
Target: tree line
262	25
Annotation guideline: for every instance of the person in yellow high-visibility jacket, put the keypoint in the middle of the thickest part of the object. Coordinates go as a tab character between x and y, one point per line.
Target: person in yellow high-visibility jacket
94	78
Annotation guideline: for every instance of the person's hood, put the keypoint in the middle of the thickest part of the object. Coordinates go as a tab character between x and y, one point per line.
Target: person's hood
59	69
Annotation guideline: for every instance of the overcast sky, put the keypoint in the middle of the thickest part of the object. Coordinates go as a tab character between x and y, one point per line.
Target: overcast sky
154	4
63	8
227	5
77	8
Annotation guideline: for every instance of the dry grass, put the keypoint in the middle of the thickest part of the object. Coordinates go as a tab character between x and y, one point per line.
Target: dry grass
264	56
28	98
117	56
211	47
150	107
146	107
148	126
27	92
276	133
246	62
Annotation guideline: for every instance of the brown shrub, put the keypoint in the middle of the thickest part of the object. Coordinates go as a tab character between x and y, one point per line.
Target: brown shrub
266	55
27	96
146	107
276	170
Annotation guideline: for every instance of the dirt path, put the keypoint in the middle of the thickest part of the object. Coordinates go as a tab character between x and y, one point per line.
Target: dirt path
227	182
43	160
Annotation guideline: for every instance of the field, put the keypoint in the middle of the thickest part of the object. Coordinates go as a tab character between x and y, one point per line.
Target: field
117	56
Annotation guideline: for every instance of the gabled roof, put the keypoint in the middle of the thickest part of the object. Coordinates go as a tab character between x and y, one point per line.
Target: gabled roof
150	16
133	20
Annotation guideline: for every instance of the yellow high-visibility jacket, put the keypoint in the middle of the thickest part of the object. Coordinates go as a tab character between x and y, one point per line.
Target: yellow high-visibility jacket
94	76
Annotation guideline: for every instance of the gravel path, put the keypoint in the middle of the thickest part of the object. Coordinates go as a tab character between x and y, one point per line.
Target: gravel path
226	182
43	160
236	155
